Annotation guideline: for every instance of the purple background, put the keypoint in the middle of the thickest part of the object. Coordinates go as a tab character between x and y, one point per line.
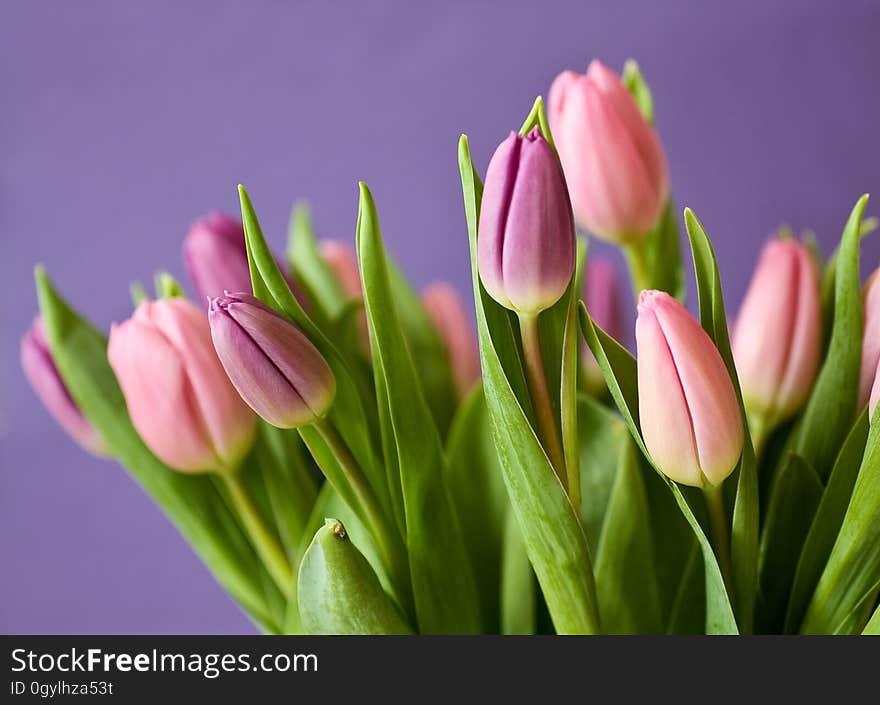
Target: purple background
120	124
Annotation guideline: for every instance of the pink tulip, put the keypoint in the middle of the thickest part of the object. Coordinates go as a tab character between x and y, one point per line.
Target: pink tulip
40	370
343	261
526	244
179	398
776	340
871	339
689	413
602	299
446	311
612	158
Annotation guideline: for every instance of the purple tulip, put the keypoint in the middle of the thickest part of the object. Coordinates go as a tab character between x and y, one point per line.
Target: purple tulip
215	256
526	244
272	364
41	372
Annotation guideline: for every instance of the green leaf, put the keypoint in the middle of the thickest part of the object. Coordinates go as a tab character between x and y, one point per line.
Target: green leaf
338	591
793	502
626	583
443	585
330	504
853	568
873	626
663	254
860	615
673	542
552	533
167	287
311	270
537	117
831	407
138	293
826	522
518	615
687	614
602	436
290	485
744	531
191	502
637	86
568	384
473	477
619	369
426	346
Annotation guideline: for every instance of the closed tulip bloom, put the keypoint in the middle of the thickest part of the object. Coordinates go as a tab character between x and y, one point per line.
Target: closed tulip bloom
688	409
272	364
602	299
215	256
446	311
776	340
526	244
343	262
871	339
613	160
179	398
40	370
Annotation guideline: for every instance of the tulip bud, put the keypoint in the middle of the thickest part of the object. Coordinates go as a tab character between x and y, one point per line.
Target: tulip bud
776	339
446	311
343	261
612	158
602	299
871	338
688	409
179	399
526	245
44	378
215	256
272	364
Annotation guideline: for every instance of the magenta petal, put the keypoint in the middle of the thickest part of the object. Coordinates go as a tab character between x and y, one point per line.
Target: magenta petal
271	363
526	245
40	370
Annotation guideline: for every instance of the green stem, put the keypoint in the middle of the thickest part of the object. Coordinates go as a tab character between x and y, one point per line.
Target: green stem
759	431
261	536
537	380
388	540
719	532
639	269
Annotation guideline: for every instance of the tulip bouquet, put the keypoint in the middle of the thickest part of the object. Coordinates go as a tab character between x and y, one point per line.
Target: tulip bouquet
346	458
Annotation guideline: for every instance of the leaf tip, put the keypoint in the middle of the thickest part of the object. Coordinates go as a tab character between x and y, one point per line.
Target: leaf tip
335	527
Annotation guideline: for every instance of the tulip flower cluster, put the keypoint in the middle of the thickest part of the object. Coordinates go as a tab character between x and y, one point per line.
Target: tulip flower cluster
360	460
